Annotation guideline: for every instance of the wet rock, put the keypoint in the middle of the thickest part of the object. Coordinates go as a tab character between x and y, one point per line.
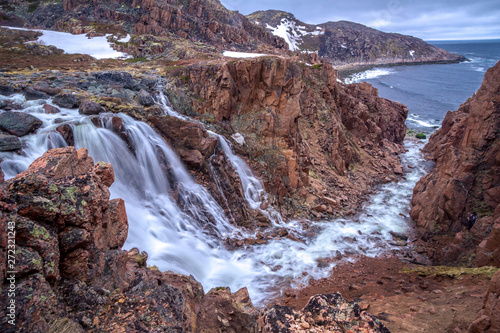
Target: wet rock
398	235
33	94
145	98
192	141
46	88
9	142
50	109
6	90
19	123
89	107
66	100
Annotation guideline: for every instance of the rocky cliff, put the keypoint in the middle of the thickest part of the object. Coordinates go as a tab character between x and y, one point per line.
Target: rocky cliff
348	43
201	24
317	144
72	276
466	176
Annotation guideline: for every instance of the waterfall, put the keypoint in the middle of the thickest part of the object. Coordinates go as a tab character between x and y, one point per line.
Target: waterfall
186	234
252	187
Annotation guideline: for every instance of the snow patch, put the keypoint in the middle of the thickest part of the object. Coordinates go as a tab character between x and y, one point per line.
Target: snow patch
233	54
412	53
97	47
292	33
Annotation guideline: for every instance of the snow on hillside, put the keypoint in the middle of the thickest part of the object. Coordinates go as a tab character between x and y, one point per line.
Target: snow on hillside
292	33
233	54
97	47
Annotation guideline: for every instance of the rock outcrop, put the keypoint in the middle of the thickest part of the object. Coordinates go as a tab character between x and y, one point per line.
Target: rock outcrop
349	43
323	313
72	276
466	176
488	318
312	139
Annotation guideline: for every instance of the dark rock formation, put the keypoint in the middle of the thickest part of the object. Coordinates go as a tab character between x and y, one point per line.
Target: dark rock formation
9	142
145	98
6	90
32	94
348	43
115	78
66	100
466	176
19	123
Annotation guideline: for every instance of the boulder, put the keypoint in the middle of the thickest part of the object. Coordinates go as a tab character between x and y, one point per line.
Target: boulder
145	98
66	100
33	94
9	142
19	123
50	109
115	78
6	90
89	107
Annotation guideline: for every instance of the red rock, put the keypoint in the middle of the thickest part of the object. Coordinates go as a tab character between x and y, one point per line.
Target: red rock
50	109
463	148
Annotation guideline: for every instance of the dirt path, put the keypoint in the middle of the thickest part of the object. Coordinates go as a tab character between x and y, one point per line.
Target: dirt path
406	297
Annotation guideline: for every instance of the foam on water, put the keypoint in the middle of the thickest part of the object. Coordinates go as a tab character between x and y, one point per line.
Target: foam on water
369	74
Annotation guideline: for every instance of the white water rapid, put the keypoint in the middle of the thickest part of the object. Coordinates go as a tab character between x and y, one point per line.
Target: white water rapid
186	235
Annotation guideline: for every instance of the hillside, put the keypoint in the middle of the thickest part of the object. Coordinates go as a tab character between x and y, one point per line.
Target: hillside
351	43
172	28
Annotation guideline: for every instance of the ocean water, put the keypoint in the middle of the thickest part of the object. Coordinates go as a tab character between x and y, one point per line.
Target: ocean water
430	91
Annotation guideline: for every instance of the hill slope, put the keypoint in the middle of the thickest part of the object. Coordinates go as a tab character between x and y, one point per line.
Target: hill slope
349	43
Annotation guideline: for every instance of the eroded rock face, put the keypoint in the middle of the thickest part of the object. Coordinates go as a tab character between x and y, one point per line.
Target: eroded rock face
466	176
488	318
309	136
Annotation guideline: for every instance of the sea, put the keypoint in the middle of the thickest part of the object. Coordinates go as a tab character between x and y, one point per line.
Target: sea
431	90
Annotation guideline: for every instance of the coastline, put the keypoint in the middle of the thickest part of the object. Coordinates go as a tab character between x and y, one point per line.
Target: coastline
347	69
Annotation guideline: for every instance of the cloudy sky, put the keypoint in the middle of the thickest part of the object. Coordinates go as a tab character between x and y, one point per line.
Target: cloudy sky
426	19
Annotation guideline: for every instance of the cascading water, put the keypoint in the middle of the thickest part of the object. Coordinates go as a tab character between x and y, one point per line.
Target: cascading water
186	235
252	186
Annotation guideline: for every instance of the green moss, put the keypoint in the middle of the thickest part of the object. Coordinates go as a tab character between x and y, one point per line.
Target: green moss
421	136
70	193
53	188
43	298
454	272
39	232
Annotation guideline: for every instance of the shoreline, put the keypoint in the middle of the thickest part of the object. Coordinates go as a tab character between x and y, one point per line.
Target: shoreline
345	70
